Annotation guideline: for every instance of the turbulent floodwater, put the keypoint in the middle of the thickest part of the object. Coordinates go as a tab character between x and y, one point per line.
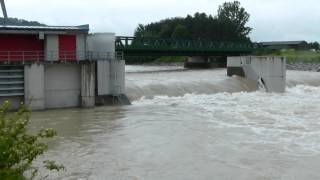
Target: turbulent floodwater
192	125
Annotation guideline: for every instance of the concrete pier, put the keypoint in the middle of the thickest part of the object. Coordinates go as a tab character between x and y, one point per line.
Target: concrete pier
270	72
199	62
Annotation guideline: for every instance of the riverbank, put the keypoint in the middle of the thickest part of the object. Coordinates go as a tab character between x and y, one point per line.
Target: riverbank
298	66
300	60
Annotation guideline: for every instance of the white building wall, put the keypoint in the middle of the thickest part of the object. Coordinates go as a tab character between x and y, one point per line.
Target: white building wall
81	46
101	42
51	47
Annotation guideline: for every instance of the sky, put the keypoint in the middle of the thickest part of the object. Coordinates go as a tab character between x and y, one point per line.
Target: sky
271	20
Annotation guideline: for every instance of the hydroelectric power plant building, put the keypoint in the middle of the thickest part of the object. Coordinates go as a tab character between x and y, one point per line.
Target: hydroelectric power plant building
59	66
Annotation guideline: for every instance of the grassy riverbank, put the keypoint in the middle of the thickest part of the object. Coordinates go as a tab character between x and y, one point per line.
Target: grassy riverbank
299	56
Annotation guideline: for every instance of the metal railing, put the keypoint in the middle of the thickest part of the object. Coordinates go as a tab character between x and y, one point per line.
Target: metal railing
64	56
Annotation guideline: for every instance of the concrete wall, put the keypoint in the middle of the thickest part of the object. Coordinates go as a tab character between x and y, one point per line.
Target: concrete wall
59	86
34	86
117	77
103	78
62	85
111	77
51	47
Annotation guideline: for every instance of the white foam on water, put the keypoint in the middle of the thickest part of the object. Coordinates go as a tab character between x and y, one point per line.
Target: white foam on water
148	85
290	119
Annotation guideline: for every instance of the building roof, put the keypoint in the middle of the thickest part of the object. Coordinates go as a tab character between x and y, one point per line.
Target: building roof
272	43
30	29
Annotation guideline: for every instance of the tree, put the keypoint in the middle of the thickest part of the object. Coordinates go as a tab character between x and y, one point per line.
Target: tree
19	148
180	32
20	22
236	16
166	31
140	31
228	25
314	45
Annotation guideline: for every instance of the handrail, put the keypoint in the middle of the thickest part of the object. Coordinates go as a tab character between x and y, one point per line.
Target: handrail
31	56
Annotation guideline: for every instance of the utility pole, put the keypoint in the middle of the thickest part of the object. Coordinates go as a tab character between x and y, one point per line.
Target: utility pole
4	11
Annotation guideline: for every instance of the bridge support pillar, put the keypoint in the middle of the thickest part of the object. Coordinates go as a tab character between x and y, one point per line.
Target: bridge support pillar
206	62
197	62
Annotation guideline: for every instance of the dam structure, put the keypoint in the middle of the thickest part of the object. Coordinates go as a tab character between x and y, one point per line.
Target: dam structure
59	66
49	67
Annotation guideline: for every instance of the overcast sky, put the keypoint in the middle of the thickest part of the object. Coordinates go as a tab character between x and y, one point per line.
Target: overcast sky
270	19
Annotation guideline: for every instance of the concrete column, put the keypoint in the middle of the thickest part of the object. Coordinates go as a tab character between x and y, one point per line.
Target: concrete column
88	85
34	86
81	47
52	47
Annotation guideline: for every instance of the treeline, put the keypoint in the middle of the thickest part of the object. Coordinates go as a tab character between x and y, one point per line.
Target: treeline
19	22
314	45
228	25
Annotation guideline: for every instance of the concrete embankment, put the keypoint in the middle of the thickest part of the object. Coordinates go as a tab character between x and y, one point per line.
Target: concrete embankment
304	66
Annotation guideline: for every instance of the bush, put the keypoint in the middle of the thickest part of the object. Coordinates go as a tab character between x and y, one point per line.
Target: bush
18	148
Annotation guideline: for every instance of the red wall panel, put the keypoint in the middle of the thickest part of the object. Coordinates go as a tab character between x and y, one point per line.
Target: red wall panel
20	43
16	47
67	47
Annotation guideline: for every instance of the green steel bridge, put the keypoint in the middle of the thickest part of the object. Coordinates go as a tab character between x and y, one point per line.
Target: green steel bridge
133	46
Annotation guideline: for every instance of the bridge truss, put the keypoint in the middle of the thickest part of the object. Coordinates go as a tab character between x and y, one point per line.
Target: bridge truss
133	46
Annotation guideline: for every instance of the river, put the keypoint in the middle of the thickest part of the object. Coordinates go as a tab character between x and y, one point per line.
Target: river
190	125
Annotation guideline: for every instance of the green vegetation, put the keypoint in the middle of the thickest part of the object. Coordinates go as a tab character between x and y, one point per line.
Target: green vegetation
20	22
19	148
228	25
292	55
